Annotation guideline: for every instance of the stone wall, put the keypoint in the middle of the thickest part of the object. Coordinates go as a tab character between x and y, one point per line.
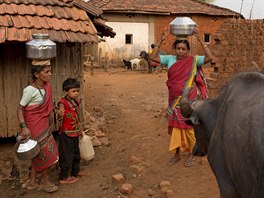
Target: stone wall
239	46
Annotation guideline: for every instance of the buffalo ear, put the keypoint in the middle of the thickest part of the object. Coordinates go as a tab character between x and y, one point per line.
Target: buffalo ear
194	120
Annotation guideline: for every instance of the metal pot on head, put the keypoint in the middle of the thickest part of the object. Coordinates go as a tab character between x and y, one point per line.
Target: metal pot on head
40	48
26	148
182	26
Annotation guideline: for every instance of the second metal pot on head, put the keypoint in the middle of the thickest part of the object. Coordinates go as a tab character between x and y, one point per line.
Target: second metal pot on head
182	26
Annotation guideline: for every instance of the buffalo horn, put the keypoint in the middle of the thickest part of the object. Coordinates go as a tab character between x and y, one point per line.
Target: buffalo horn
185	106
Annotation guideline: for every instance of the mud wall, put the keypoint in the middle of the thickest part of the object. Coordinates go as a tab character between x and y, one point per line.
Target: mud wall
239	46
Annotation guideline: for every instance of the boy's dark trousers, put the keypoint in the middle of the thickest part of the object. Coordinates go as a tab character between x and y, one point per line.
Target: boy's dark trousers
69	156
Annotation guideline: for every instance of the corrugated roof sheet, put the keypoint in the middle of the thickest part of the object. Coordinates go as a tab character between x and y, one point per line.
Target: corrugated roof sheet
19	19
162	7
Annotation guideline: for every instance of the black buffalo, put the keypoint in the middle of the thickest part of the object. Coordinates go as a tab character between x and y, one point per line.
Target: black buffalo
230	130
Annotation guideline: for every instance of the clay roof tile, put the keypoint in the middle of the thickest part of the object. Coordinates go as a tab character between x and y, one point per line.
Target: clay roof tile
17	21
162	7
44	23
66	24
2	34
32	9
4	20
8	9
41	10
60	18
48	22
55	23
21	9
75	13
59	12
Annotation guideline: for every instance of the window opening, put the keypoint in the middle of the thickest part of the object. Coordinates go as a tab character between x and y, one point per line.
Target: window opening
207	38
129	39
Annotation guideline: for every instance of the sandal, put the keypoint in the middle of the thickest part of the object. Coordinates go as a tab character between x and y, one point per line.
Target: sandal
69	180
173	160
32	187
189	161
49	188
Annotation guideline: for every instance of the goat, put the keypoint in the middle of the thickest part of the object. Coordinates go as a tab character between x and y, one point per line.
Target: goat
135	63
127	64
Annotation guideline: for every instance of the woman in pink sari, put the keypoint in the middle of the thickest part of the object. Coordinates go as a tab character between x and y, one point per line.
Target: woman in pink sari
35	117
183	71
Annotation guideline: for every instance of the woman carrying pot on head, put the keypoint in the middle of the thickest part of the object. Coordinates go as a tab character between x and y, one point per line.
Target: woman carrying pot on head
184	70
35	117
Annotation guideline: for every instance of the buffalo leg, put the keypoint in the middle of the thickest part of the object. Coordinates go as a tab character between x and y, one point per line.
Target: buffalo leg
218	165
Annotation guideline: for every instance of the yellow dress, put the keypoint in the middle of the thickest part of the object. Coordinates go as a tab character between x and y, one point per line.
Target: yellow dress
183	139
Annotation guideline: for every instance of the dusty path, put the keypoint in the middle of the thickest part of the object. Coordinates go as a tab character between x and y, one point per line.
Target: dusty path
133	102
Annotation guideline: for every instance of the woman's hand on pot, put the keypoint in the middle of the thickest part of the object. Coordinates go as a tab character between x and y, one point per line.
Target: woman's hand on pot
25	133
163	36
195	32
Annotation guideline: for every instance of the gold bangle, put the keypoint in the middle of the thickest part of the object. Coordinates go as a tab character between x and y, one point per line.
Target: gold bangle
205	46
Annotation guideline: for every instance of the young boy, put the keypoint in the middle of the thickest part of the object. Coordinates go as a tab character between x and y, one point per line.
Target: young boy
70	130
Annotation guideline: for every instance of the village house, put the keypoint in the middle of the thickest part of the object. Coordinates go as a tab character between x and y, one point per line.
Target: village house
138	24
95	52
67	25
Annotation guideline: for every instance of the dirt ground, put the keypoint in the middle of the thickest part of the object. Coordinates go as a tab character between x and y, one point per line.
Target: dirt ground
133	103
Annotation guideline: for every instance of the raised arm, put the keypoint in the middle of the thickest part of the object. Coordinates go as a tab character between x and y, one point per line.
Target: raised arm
154	56
208	54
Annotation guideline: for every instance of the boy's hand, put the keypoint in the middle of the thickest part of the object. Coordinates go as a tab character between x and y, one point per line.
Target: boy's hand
60	111
82	134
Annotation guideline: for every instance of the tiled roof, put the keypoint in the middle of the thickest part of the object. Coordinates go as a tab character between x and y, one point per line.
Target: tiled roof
162	7
19	19
103	30
98	21
91	9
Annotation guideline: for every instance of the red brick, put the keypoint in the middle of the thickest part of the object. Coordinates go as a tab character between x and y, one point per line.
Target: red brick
127	189
118	178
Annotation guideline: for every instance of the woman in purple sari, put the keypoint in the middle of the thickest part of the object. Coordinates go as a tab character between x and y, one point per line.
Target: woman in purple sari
183	71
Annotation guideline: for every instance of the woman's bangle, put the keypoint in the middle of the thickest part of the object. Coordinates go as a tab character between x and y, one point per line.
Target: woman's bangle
205	46
23	125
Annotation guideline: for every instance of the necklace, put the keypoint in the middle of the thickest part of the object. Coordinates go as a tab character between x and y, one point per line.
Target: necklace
38	87
73	104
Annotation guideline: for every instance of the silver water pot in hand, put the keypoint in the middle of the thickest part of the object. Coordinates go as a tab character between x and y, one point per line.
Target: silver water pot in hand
26	148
